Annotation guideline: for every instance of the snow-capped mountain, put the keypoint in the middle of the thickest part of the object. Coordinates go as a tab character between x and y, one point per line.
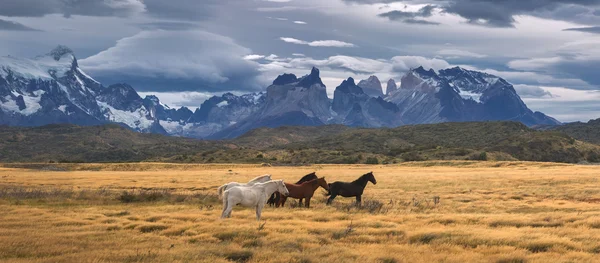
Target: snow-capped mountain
53	89
458	94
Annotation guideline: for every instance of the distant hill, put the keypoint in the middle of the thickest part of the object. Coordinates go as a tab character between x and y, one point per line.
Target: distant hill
298	145
107	143
588	132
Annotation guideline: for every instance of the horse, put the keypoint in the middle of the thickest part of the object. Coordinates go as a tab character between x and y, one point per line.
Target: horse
354	188
260	179
251	196
304	190
275	198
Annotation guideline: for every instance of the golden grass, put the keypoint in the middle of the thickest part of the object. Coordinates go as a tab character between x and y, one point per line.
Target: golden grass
487	212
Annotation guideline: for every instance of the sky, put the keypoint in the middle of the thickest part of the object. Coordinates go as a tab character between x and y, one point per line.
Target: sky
185	51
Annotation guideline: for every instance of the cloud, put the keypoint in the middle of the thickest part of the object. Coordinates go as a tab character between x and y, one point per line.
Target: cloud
459	53
39	8
168	25
190	99
593	29
529	91
501	13
578	59
197	61
253	57
14	26
411	17
300	22
405	63
318	43
567	104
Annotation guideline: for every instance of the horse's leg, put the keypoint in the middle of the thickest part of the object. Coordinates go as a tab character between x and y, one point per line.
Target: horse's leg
259	208
300	202
330	199
307	202
358	200
277	199
283	199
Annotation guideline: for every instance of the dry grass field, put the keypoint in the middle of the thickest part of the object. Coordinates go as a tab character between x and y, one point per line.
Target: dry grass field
487	212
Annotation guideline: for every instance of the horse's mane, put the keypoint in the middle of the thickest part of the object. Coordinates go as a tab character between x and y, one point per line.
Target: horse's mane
361	179
259	178
307	178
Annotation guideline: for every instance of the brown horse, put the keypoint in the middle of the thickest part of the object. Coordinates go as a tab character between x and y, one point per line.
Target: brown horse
275	198
305	190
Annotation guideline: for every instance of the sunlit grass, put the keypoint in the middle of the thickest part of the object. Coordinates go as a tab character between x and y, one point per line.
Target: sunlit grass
487	212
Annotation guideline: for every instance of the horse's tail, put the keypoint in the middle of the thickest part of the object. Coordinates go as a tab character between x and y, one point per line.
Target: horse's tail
220	190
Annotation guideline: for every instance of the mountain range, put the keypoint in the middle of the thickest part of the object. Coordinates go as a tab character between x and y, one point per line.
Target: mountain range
52	88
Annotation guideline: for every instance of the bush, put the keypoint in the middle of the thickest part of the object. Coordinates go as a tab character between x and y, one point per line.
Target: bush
412	157
239	256
482	156
372	160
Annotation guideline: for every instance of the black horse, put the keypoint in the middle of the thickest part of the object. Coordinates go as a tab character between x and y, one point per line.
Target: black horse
354	188
275	197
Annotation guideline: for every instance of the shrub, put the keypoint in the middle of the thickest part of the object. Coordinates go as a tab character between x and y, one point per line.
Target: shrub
482	156
412	157
152	228
372	160
239	256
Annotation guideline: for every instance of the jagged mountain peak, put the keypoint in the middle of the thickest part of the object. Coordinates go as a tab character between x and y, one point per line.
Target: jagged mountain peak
372	86
311	79
421	71
349	86
391	86
285	79
59	51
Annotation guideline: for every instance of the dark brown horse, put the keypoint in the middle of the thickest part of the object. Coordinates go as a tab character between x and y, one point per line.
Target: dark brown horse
275	198
354	188
304	190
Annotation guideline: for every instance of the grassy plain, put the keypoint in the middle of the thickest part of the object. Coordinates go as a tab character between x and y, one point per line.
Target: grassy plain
487	212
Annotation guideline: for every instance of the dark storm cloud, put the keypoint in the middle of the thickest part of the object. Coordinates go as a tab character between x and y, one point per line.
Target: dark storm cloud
500	13
14	26
411	17
38	8
419	22
593	29
197	61
190	9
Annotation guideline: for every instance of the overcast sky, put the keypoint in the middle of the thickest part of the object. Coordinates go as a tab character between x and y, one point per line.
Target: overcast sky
187	50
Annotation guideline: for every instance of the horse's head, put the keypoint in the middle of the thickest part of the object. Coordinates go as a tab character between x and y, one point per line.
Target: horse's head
281	188
371	178
323	183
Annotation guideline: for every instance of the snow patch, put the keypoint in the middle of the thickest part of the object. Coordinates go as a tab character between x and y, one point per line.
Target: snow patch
32	103
63	108
222	104
136	119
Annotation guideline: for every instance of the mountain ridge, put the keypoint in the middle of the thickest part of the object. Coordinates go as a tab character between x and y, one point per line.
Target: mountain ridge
53	89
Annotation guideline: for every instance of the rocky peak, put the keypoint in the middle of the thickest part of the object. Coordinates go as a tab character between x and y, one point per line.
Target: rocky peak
285	79
391	86
58	52
372	86
349	86
311	79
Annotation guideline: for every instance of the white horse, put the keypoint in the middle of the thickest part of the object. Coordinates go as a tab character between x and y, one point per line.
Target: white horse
260	179
251	196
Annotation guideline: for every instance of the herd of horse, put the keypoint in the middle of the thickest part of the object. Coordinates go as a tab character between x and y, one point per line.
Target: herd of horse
264	190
